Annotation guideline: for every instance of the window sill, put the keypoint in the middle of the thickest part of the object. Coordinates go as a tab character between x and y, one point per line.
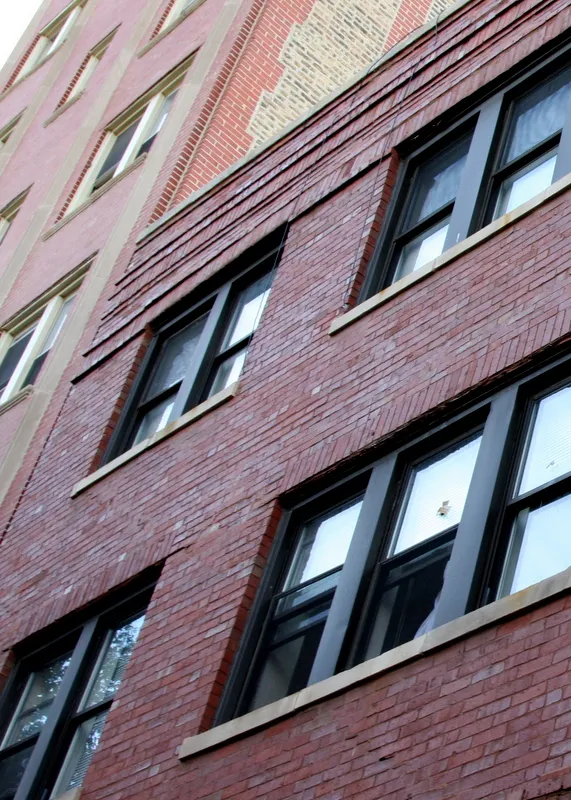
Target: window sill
72	794
21	78
59	111
20	395
195	413
495	612
166	30
93	197
450	255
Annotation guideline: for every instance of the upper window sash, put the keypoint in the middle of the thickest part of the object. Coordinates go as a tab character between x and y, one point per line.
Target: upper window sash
520	144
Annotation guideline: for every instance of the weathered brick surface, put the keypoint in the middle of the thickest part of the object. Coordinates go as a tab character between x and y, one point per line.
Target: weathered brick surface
488	717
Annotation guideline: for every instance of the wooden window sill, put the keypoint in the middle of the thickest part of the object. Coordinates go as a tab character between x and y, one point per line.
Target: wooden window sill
450	255
462	627
182	422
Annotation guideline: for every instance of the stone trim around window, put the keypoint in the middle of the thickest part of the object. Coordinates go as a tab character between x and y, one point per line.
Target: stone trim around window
168	28
450	255
498	611
182	422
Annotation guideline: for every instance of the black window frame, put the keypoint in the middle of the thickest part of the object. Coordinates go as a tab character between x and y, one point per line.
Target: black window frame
480	544
489	118
83	642
217	304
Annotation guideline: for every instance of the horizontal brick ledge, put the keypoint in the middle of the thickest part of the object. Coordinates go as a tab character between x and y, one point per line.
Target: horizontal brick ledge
186	419
450	255
446	634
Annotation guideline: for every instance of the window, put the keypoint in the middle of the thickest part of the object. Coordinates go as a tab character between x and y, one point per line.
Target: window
59	697
8	214
202	351
468	513
86	70
178	9
128	138
51	38
23	351
8	130
492	161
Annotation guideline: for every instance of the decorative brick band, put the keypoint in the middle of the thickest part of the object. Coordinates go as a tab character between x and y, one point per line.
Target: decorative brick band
174	188
21	62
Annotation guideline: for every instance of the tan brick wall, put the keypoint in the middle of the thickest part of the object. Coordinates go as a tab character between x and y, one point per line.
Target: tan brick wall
338	39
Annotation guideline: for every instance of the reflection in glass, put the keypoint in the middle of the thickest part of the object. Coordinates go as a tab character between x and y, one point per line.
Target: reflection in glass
248	312
228	372
157	125
154	420
549	451
37	698
436	495
84	744
424	248
437	183
538	115
175	356
540	546
323	544
12	770
525	184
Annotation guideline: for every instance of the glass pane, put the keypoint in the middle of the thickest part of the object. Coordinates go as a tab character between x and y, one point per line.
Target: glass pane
436	495
38	362
323	544
112	663
424	248
540	547
37	698
228	372
307	592
549	451
84	744
157	124
538	115
407	607
525	184
174	357
437	183
13	356
12	771
115	155
154	420
248	312
286	667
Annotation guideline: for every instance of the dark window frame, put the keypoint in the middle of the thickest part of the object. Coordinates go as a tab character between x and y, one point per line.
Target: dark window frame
83	642
218	305
490	118
480	543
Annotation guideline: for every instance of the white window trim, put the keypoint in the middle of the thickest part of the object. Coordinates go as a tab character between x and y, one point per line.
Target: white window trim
9	212
59	28
178	9
83	79
8	130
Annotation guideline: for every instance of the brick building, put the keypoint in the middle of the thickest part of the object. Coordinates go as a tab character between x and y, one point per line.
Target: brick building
313	428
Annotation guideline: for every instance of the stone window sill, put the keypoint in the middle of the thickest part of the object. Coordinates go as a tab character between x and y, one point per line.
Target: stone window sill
93	197
491	614
450	255
195	413
168	28
20	395
72	794
59	111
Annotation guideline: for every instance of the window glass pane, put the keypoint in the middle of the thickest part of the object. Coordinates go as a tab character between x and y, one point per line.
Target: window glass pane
540	546
175	357
422	249
115	155
154	420
84	744
549	452
114	659
407	606
38	362
525	184
228	372
37	698
247	314
13	356
323	544
437	183
436	495
157	124
11	772
286	667
538	115
308	591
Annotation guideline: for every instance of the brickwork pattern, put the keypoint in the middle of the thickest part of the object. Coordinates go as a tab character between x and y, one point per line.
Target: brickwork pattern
22	61
65	96
159	26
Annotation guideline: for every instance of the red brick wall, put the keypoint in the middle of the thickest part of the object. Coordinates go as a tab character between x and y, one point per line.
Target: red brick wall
487	717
